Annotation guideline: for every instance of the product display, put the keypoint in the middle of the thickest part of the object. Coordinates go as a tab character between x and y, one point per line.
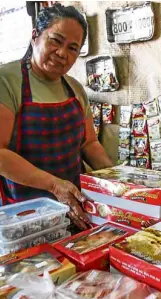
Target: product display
91	246
140	255
30	217
45	236
135	184
33	261
108	212
101	74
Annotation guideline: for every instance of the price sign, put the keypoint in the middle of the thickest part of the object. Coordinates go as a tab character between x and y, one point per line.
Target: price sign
130	24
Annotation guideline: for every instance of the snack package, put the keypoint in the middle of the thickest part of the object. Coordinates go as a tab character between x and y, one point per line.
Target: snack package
154	127
152	108
124	138
125	116
107	113
103	285
155	149
138	110
96	112
88	247
124	182
141	162
140	256
139	126
98	212
36	260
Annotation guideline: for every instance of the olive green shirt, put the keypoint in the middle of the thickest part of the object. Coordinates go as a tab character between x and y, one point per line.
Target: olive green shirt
43	91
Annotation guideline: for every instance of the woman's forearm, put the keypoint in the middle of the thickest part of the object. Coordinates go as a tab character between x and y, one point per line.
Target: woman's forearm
17	169
94	154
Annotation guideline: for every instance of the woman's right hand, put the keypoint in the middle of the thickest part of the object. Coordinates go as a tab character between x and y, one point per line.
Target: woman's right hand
68	193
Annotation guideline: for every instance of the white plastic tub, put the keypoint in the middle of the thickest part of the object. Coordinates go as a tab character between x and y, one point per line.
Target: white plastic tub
47	236
29	217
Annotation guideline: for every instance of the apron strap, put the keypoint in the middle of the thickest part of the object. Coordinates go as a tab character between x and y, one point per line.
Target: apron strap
5	199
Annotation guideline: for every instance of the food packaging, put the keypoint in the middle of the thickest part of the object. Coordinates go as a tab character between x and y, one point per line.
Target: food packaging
46	236
29	217
33	261
139	256
127	187
89	249
99	212
103	285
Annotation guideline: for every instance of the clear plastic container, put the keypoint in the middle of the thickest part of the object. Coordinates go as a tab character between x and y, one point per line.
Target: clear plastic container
47	236
29	217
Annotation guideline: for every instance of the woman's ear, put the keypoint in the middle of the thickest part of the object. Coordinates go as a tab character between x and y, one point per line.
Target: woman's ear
34	34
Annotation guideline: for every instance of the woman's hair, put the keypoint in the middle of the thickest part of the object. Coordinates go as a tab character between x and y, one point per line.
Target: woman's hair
49	15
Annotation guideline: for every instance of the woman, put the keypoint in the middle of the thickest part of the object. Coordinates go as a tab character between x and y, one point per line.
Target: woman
45	118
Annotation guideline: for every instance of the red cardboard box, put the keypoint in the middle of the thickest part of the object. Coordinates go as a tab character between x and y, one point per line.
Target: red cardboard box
89	249
139	256
130	188
61	270
100	213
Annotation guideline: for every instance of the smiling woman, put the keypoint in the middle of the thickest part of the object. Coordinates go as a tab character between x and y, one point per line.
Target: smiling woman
49	121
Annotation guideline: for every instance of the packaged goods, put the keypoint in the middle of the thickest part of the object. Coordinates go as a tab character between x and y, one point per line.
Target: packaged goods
139	256
33	261
45	236
88	248
99	212
30	217
130	183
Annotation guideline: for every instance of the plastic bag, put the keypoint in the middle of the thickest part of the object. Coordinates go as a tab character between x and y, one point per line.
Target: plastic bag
93	284
103	285
33	286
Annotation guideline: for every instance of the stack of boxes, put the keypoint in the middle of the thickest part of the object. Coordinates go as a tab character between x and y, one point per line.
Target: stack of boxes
123	194
30	223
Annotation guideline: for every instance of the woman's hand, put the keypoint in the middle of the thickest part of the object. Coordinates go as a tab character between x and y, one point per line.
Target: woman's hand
68	193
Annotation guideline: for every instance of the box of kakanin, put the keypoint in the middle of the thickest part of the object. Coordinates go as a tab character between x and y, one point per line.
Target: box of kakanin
34	260
99	212
139	256
129	188
90	249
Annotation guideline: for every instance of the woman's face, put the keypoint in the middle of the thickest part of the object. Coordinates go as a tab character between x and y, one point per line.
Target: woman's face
57	48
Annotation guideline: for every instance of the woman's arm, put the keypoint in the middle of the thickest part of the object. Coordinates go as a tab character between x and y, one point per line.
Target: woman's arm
93	152
19	170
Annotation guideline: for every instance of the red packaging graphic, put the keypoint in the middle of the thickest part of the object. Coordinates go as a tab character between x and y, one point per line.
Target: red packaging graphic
89	249
118	215
139	256
125	182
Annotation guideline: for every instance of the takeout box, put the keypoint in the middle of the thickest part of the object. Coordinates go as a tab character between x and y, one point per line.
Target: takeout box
90	249
135	189
139	256
99	213
35	260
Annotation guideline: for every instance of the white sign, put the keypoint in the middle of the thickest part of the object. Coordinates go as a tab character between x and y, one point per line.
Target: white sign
130	24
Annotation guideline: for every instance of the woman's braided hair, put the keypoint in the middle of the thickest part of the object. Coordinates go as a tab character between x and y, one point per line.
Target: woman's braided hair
49	15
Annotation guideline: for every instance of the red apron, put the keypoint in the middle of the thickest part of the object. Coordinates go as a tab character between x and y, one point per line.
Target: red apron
49	136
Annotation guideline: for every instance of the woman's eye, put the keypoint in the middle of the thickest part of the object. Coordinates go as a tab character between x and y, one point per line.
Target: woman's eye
55	40
73	49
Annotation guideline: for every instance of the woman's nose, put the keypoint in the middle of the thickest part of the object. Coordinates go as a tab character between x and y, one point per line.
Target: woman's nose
62	52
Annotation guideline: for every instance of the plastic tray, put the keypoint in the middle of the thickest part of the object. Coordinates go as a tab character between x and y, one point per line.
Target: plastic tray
29	217
47	236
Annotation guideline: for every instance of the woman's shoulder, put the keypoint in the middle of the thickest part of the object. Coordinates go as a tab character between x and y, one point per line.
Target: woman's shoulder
10	69
76	85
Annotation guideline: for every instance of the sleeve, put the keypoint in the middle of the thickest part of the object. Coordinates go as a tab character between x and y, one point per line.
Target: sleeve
7	96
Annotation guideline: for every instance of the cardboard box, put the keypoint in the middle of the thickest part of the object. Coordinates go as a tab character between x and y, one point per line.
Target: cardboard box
139	256
63	269
130	188
100	213
89	249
